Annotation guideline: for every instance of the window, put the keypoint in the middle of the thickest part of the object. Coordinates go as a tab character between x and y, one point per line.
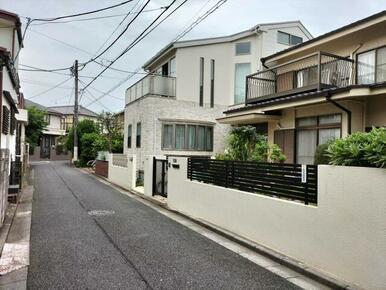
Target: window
129	132
62	124
314	131
12	122
187	137
201	81
241	72
201	138
212	64
191	137
243	48
371	66
47	118
172	72
5	127
138	139
288	39
180	137
167	136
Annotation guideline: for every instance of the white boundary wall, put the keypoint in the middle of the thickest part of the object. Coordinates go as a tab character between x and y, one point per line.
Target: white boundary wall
122	170
344	235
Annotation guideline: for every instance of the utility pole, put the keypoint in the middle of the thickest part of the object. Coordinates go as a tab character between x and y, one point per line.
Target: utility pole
75	121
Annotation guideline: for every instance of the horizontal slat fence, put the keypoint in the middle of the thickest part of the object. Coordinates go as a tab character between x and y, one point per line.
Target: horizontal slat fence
273	179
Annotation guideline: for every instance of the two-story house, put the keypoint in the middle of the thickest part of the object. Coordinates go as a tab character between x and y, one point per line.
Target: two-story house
324	88
68	112
173	109
12	114
55	128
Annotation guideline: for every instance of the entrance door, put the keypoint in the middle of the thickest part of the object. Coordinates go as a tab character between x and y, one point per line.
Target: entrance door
45	147
160	177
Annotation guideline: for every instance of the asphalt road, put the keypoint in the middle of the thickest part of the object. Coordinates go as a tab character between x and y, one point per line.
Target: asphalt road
136	247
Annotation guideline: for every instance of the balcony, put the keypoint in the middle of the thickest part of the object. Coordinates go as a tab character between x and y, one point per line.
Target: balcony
152	85
310	73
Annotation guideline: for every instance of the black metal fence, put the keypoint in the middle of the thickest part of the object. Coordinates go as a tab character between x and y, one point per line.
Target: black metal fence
280	180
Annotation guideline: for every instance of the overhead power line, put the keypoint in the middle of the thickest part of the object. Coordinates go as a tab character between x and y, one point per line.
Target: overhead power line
82	13
93	18
182	34
141	36
118	37
50	89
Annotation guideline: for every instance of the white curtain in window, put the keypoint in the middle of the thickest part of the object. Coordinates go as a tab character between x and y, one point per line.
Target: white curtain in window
167	137
326	135
201	138
191	137
180	137
381	65
366	67
241	72
306	145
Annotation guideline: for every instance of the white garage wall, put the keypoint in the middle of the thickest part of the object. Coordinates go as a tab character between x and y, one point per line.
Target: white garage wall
344	235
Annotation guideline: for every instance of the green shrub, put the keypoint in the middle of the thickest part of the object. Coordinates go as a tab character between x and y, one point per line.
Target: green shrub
360	149
277	155
321	154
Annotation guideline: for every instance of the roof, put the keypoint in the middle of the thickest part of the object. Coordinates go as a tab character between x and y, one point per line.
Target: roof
302	96
14	18
30	104
323	36
221	39
69	110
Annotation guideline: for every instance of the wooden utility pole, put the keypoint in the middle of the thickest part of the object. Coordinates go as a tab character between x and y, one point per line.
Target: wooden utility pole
76	111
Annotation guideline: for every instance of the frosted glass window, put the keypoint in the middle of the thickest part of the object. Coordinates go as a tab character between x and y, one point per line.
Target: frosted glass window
191	137
366	67
326	135
306	144
241	72
201	138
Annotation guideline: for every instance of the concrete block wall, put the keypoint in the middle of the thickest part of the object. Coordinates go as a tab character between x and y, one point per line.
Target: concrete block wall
343	236
123	175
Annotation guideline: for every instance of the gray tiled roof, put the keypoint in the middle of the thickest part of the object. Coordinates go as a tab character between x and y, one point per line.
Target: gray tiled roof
69	110
29	104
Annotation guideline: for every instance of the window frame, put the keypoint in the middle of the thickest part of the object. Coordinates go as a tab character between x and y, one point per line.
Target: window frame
244	81
290	38
201	82
186	134
138	136
316	127
129	136
376	60
243	53
212	75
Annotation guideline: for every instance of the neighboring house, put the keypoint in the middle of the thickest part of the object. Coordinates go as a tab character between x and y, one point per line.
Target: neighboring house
322	89
13	117
173	110
55	128
68	112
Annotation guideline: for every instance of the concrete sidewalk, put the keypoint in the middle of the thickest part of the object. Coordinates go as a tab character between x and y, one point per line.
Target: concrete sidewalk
14	258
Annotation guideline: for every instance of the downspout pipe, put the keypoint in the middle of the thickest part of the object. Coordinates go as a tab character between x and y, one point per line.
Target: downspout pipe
347	111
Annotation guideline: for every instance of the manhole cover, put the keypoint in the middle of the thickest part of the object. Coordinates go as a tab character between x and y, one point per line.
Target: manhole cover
100	212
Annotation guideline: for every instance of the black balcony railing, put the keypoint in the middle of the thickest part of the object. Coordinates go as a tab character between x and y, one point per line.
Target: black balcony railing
310	73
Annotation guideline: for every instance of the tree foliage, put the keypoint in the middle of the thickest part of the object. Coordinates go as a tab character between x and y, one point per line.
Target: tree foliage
35	127
112	127
246	145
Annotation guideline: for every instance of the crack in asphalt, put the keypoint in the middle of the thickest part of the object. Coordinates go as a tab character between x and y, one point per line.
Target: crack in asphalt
109	238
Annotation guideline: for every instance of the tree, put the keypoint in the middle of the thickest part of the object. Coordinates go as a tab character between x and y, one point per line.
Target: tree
35	127
112	126
84	126
91	144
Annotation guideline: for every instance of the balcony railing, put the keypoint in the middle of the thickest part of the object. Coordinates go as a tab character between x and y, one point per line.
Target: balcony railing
152	85
310	73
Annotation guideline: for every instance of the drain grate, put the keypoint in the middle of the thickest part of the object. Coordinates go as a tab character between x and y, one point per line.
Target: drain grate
101	212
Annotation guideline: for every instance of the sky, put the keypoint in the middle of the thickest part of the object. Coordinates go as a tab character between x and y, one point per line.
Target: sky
57	45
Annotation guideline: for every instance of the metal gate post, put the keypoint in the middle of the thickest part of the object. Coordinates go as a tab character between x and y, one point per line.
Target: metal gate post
163	178
154	175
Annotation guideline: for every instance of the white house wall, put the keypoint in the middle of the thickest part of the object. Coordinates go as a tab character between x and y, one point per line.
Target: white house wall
151	111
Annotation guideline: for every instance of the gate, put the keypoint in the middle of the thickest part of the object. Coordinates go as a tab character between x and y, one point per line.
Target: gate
160	177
